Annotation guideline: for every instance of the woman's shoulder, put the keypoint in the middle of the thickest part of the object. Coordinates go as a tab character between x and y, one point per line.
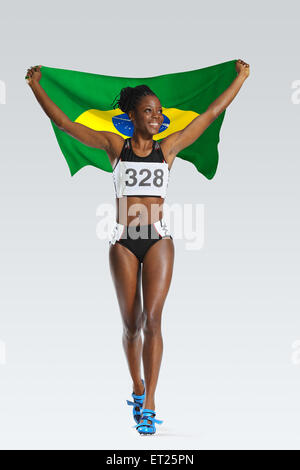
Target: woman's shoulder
116	144
167	147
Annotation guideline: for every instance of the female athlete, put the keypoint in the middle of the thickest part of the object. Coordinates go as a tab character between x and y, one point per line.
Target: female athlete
141	248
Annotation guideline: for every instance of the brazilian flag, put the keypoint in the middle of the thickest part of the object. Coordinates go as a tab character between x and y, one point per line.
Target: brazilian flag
87	98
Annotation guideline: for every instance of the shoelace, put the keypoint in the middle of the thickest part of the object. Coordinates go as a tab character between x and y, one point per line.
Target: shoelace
148	416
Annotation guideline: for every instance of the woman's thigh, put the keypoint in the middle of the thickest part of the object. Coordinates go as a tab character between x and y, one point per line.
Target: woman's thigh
157	275
126	274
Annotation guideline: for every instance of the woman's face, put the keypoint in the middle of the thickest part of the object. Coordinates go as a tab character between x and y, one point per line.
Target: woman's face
148	117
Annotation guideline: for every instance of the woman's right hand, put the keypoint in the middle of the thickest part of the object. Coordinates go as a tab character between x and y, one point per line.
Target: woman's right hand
34	73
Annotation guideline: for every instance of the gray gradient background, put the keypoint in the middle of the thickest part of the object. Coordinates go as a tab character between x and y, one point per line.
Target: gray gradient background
228	379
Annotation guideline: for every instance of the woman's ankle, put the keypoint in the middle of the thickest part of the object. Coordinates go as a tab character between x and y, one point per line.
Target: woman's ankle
138	388
150	405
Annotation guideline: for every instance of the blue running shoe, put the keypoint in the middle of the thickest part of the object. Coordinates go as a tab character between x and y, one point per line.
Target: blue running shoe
137	404
143	427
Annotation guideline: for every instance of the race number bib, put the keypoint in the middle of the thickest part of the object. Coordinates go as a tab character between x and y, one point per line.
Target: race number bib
141	179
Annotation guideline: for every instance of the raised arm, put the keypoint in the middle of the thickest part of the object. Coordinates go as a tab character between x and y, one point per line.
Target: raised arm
187	136
86	135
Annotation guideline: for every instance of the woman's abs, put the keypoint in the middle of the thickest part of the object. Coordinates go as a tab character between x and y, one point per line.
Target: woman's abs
137	210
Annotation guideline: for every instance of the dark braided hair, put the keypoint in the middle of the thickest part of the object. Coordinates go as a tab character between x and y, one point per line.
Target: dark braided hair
131	96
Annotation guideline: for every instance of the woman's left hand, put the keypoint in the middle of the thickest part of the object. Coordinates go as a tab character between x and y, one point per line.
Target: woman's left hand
242	68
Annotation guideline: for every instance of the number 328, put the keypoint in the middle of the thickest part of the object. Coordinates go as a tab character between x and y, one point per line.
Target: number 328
133	180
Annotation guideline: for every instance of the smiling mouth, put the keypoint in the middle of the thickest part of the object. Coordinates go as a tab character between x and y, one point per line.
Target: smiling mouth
154	124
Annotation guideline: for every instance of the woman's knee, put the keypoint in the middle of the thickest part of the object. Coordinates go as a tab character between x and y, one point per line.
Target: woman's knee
132	329
152	324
